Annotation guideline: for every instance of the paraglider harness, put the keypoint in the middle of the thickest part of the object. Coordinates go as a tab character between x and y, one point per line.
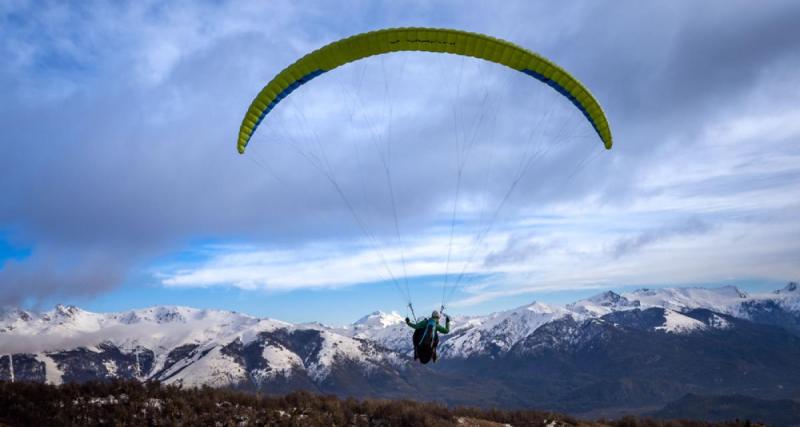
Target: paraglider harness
425	341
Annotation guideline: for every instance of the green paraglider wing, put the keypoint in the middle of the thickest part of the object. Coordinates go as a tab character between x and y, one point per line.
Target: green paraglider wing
421	39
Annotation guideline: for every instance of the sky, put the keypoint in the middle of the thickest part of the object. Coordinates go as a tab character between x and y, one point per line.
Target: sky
412	176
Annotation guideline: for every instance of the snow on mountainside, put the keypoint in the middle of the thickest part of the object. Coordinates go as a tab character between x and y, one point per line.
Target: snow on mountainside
378	319
725	299
498	332
387	329
678	323
602	304
469	336
172	344
788	297
791	289
191	346
163	327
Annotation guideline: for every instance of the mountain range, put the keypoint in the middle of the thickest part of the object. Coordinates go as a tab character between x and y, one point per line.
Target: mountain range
608	354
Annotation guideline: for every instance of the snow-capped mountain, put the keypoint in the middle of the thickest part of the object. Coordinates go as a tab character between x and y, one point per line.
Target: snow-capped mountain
780	307
756	336
178	345
726	299
498	332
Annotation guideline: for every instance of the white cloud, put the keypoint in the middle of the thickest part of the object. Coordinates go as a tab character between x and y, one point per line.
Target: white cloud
320	265
667	235
122	120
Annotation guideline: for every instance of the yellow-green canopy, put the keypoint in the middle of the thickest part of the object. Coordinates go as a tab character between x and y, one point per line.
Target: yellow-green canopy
421	39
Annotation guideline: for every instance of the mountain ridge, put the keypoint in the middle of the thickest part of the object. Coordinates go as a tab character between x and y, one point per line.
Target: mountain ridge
580	343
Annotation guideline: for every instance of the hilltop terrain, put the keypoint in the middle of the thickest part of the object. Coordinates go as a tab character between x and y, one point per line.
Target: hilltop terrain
134	403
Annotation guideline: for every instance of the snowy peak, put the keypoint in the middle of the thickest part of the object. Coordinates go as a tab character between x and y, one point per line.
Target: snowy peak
175	314
788	299
602	304
168	315
379	319
386	329
66	311
14	318
538	307
608	298
529	315
10	315
65	314
791	288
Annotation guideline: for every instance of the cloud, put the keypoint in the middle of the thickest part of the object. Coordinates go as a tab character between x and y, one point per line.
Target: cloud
689	227
54	274
118	131
329	265
518	249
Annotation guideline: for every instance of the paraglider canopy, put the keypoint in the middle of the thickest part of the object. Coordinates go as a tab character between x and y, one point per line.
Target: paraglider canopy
422	39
